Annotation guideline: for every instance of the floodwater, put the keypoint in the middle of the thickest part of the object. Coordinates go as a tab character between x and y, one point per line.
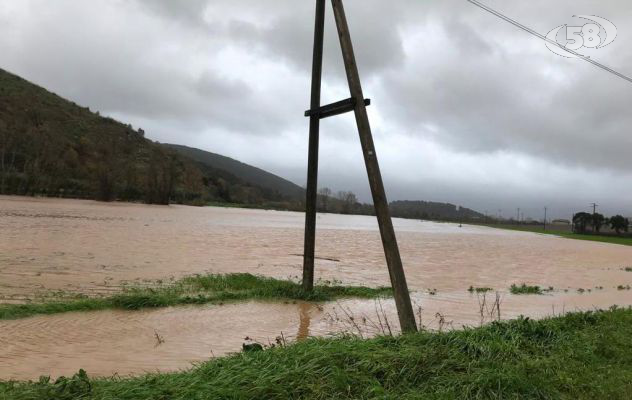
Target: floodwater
93	248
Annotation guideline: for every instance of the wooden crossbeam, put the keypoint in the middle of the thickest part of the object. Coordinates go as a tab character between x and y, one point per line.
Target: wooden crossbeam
337	108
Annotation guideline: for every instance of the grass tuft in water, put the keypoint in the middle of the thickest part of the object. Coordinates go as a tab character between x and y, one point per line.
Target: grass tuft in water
583	355
473	289
198	289
525	289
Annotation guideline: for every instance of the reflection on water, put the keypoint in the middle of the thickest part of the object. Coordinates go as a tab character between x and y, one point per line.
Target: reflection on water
305	318
93	248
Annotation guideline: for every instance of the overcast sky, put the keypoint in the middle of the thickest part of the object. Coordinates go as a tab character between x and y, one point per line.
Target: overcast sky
466	108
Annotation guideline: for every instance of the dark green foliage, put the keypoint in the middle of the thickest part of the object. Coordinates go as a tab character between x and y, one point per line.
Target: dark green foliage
473	289
619	224
578	356
581	220
526	289
77	387
597	221
249	174
199	289
252	347
52	147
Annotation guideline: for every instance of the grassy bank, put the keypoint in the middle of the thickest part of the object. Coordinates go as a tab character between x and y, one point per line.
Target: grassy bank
199	289
626	241
584	355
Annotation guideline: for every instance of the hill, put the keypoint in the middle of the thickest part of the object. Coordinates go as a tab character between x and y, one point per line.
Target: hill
245	172
53	147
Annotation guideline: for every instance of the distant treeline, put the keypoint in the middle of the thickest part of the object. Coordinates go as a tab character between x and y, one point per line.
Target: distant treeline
345	202
433	211
584	222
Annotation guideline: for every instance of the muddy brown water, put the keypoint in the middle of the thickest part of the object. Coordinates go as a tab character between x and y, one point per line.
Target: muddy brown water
89	247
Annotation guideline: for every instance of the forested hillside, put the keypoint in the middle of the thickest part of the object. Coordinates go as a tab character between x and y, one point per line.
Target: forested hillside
52	147
245	172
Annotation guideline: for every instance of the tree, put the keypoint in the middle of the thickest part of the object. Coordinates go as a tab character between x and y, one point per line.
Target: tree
598	221
581	221
324	194
619	223
348	200
5	145
162	174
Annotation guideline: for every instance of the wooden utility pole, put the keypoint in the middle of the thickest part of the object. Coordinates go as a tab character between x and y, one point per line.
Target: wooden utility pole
358	105
312	161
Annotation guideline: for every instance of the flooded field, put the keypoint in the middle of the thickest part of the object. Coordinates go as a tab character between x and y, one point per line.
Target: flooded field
89	247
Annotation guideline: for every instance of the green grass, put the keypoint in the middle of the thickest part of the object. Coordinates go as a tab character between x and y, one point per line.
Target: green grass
199	289
578	356
473	289
525	289
626	241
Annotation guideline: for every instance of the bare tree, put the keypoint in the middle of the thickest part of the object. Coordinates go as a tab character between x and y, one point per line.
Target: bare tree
348	200
323	196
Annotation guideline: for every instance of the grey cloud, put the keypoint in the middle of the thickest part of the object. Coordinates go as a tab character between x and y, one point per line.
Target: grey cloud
122	71
501	99
289	32
190	11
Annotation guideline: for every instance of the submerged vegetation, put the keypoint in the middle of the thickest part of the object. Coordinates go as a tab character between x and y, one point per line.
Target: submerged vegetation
583	355
198	289
526	289
473	289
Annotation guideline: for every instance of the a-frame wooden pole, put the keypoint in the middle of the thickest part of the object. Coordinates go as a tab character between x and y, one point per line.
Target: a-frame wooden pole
312	167
391	250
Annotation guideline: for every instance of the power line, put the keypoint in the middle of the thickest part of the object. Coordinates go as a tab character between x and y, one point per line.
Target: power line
552	42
